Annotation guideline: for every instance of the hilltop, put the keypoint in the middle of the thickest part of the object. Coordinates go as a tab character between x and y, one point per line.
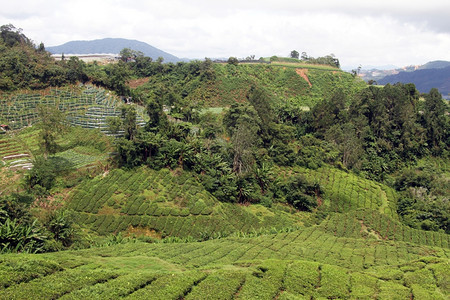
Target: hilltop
111	46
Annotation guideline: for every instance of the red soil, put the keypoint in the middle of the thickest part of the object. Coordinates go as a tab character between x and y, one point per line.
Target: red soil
302	73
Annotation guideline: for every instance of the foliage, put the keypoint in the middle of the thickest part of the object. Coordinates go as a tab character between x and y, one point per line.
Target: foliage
380	131
301	193
19	237
424	202
233	61
61	224
41	178
25	66
51	124
19	232
294	54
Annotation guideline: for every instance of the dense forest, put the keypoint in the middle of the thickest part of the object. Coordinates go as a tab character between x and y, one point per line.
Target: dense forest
237	149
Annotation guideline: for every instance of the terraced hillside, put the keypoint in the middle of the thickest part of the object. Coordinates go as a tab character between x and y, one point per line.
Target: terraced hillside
85	106
347	192
167	204
78	148
13	154
241	186
174	203
309	263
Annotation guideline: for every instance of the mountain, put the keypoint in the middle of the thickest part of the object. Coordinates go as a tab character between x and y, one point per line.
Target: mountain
424	79
111	45
437	64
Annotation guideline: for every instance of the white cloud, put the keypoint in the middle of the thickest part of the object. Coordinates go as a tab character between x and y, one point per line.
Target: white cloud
357	32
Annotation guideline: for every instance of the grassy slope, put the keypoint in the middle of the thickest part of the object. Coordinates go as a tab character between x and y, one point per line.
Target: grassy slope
283	81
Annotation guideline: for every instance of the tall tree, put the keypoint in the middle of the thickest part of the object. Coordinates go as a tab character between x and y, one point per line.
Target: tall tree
12	36
243	124
129	121
52	123
436	121
294	54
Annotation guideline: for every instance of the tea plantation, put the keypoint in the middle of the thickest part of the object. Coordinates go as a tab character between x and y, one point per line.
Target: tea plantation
307	263
169	204
252	180
360	251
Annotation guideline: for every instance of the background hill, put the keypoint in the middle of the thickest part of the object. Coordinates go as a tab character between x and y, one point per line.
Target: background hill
436	64
424	79
111	45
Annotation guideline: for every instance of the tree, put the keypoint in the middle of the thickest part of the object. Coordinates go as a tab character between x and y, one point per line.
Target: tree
233	61
207	70
128	153
157	117
346	140
129	121
436	122
294	54
41	47
301	193
117	76
115	124
41	178
329	112
127	54
76	70
61	224
243	124
12	36
304	56
51	124
355	72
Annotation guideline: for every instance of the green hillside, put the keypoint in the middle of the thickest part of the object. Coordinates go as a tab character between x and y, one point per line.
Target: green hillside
164	203
224	84
236	180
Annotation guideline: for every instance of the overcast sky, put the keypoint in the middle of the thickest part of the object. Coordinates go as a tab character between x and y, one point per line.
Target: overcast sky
358	32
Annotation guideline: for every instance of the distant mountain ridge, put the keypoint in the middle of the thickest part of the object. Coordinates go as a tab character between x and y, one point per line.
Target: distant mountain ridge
436	64
433	74
424	79
111	46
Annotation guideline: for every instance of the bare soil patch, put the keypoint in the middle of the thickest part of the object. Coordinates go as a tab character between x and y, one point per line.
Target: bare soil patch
138	82
303	74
